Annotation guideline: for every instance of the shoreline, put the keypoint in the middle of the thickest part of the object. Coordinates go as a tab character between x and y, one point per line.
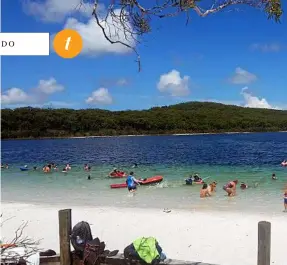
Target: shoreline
141	135
183	235
154	210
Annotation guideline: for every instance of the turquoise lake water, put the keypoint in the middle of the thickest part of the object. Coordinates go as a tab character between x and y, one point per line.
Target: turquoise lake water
251	158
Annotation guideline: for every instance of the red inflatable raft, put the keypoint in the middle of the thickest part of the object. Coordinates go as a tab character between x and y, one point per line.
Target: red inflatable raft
147	181
118	175
198	182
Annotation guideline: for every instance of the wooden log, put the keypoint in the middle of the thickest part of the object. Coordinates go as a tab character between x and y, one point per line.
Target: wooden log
65	227
50	260
120	260
264	243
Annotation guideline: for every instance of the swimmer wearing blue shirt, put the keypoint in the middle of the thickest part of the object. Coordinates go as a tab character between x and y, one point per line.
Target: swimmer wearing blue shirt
132	182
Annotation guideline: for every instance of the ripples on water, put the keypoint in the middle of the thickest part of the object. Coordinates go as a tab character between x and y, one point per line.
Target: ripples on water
250	157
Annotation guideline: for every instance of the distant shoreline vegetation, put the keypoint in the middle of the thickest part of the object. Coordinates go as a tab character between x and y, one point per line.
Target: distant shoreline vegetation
184	118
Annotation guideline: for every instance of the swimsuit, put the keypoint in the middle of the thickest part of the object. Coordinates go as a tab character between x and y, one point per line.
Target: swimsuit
227	186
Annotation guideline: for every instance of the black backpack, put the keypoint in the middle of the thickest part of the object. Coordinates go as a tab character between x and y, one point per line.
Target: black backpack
81	234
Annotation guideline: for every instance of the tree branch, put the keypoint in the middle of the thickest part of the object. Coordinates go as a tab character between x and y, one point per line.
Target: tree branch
19	240
129	20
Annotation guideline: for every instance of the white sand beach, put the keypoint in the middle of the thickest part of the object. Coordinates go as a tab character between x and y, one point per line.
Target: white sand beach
216	237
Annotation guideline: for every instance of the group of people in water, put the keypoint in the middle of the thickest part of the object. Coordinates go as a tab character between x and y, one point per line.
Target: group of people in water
206	190
230	188
50	167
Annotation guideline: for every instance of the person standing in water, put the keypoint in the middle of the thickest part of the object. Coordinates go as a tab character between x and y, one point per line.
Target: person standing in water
132	182
273	177
285	199
230	188
204	192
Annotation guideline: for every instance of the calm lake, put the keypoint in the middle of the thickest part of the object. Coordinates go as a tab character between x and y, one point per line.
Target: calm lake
251	158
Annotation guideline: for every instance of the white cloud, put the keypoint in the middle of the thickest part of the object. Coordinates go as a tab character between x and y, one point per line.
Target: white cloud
16	96
271	47
242	77
56	10
173	84
50	86
94	42
251	101
93	38
100	96
122	82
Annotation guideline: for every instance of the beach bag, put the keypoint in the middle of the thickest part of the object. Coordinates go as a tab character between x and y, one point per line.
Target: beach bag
81	234
95	252
146	250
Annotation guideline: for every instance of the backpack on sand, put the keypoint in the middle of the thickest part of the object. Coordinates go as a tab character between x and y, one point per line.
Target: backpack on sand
81	234
144	249
88	250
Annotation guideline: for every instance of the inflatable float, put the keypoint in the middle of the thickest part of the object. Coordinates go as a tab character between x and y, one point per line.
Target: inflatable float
120	174
198	182
284	164
24	168
147	181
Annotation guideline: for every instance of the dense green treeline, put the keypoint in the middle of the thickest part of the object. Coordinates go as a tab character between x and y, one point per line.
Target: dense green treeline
191	117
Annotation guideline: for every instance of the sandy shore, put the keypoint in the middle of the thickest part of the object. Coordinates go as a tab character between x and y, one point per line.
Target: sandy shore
139	135
217	237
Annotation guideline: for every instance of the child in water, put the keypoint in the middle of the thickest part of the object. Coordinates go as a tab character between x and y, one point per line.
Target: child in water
204	191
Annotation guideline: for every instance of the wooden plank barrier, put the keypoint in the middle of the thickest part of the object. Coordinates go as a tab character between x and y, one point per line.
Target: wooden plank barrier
65	228
65	258
264	243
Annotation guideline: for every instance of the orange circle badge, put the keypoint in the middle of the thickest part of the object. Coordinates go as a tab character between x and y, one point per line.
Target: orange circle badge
68	43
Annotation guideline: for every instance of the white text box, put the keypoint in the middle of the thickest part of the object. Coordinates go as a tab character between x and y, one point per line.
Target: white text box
12	44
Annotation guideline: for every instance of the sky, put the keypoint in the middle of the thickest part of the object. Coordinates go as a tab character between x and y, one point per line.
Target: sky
235	57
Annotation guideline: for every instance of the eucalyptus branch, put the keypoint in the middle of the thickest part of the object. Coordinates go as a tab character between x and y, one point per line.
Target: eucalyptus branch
127	21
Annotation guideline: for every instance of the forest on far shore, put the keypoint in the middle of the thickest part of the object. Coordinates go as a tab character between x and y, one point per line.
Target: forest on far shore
190	117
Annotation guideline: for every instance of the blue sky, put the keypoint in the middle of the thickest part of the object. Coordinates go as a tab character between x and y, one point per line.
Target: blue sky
236	57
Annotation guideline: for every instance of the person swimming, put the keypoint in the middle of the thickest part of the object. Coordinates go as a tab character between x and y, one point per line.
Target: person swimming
189	180
132	182
47	168
243	186
87	167
89	177
273	177
230	187
196	178
114	172
135	165
68	167
6	166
